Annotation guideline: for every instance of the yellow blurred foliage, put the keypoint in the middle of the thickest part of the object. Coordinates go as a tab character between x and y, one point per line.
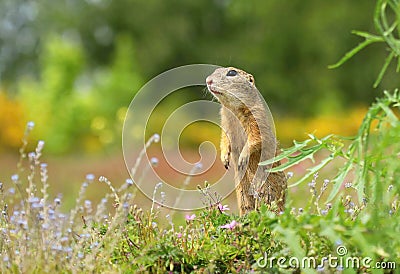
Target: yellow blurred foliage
11	122
287	128
345	124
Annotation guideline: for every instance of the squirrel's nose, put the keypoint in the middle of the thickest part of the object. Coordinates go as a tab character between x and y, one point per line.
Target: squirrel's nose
209	81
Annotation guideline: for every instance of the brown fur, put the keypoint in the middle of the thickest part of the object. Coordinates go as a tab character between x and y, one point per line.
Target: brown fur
247	139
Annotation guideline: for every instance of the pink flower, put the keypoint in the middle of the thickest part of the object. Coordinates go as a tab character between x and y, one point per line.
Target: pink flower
223	208
231	225
179	235
190	217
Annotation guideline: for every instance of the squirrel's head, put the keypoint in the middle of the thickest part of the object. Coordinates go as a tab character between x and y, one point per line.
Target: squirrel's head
232	87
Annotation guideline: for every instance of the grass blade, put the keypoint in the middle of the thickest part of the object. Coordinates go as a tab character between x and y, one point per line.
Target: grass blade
338	180
388	60
353	52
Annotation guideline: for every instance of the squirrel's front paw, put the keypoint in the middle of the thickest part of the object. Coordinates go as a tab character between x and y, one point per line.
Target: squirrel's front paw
225	159
243	159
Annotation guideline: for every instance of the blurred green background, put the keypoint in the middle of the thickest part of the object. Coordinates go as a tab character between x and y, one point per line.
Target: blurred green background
73	66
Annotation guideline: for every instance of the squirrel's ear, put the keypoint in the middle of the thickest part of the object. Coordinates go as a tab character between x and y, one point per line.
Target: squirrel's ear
251	80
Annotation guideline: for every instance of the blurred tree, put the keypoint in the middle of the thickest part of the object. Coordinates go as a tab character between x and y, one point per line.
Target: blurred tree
113	88
18	38
103	47
52	100
77	109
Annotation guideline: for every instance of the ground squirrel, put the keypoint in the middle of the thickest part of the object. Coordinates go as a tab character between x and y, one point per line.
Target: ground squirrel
247	138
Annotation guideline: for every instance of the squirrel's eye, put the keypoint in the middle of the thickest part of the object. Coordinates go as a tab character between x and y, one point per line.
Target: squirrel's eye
232	72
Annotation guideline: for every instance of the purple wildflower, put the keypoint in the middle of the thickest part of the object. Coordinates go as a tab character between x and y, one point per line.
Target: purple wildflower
223	208
231	225
190	217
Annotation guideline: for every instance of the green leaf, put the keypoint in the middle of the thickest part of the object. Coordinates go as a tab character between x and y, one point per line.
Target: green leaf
287	152
338	180
294	160
392	118
304	153
367	35
354	51
292	239
398	65
313	170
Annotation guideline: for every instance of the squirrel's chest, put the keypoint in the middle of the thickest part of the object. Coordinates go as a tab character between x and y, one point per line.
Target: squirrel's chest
235	130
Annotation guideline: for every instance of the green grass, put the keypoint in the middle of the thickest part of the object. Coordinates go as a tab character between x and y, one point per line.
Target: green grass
351	223
38	237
